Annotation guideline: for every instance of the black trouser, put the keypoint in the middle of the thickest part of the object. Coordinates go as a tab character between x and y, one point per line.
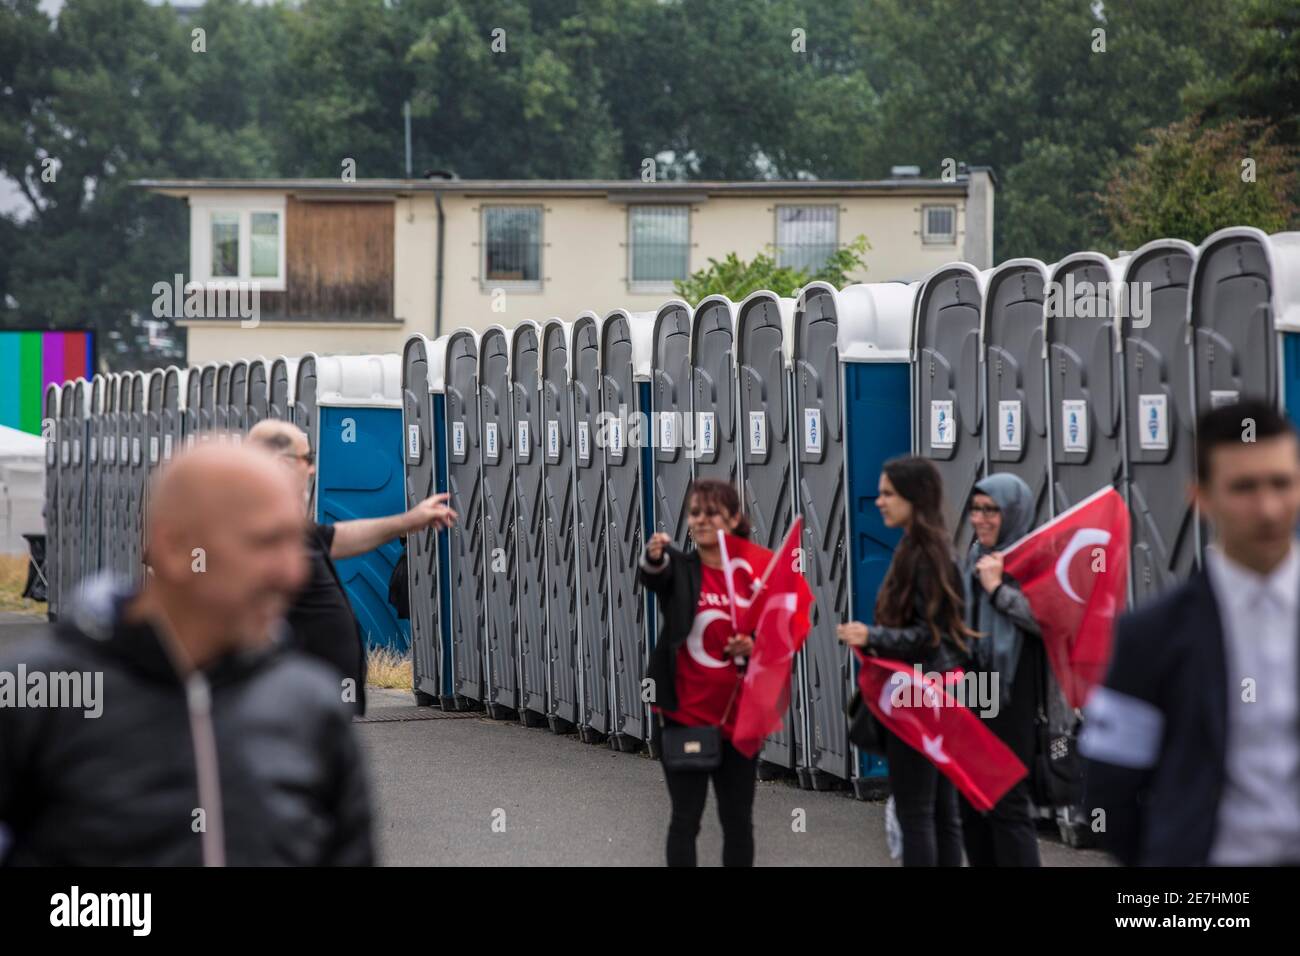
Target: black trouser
926	803
1006	835
733	786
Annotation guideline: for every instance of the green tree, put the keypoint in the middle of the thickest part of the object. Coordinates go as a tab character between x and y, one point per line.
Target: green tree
1188	181
735	278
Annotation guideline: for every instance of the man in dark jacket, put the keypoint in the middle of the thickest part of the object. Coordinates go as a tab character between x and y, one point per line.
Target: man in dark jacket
320	617
169	726
1193	742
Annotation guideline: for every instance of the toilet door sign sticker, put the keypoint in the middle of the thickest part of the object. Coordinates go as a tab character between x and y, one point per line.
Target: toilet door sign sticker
812	431
615	433
458	438
523	446
1010	426
413	442
1074	425
490	440
943	429
708	433
553	439
584	442
1153	422
757	433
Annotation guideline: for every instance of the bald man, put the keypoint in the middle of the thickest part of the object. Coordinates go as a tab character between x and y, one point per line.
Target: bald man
173	727
321	618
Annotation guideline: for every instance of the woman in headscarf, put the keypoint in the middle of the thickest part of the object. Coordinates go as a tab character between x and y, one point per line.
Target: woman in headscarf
1011	651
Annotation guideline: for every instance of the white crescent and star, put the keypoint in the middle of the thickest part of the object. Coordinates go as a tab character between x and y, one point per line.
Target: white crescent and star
1081	539
695	640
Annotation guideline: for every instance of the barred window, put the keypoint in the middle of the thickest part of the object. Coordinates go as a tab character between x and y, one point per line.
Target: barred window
660	241
939	224
512	245
806	236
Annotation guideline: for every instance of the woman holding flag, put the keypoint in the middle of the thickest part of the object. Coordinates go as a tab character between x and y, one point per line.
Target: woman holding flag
1001	512
696	675
919	619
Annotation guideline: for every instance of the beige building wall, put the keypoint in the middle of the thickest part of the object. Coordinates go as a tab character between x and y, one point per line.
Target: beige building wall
584	266
585	255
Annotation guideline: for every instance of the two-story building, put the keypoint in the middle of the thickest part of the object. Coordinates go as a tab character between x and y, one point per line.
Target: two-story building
358	266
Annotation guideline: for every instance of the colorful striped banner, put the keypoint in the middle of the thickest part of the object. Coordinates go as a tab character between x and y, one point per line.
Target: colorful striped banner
29	361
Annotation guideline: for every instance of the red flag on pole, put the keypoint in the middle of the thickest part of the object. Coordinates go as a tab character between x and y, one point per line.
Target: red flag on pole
775	608
1074	571
925	716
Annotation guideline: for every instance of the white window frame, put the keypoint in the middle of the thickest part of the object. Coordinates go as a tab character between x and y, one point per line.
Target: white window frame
201	212
487	284
776	224
656	287
931	239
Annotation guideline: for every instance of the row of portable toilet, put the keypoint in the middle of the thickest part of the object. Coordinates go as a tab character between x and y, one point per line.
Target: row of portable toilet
564	445
105	438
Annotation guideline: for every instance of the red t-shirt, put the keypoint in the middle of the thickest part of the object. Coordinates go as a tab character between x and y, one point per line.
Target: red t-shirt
705	678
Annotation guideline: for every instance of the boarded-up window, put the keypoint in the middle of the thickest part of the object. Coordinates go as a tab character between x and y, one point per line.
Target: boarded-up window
339	260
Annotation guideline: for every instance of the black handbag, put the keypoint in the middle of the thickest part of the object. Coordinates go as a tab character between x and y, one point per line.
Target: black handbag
693	749
865	731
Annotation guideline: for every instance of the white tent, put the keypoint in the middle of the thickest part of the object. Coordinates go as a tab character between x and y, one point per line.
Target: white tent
22	488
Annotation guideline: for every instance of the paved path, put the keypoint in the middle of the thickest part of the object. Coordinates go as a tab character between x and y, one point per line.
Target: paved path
439	785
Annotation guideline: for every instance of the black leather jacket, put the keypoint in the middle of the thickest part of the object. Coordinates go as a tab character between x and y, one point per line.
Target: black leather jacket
913	642
676	583
123	788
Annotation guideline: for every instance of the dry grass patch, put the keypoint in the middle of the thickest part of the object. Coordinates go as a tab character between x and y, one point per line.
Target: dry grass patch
13	575
387	668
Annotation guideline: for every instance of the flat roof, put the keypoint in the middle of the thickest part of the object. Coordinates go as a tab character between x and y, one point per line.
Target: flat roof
615	189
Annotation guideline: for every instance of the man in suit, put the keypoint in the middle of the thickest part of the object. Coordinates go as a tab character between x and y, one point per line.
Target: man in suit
1193	742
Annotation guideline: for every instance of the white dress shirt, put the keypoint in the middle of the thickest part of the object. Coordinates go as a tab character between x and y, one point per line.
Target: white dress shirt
1259	812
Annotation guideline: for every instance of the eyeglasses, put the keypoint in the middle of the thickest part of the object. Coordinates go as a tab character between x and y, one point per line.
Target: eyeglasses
987	511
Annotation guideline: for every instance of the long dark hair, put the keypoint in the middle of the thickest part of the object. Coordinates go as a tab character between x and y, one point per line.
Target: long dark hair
721	495
923	558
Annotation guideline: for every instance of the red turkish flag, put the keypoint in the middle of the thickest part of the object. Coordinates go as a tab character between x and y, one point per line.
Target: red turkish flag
1074	571
925	716
775	607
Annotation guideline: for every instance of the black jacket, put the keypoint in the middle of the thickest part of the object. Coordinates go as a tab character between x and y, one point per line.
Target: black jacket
1168	655
122	788
913	643
677	586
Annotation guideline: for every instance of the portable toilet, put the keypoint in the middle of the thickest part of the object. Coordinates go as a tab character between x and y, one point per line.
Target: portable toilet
120	519
875	338
237	406
670	415
359	475
191	389
561	549
281	380
72	488
530	520
305	413
713	389
1244	313
464	483
500	593
626	344
764	345
95	424
257	399
221	408
948	386
594	724
423	364
137	474
1084	378
153	423
1160	416
172	429
1015	387
51	427
208	397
